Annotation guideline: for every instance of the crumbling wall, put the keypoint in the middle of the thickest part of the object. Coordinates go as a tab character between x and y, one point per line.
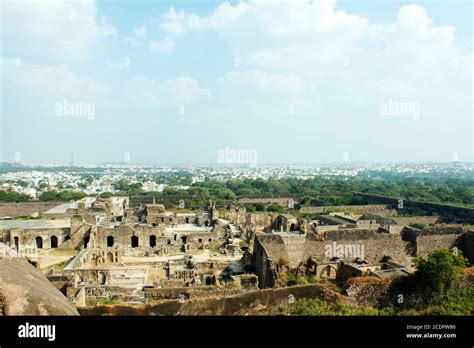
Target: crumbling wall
439	237
263	266
368	291
229	305
374	245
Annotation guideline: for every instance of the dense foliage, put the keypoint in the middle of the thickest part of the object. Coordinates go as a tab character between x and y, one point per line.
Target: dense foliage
331	191
7	196
63	196
314	306
438	273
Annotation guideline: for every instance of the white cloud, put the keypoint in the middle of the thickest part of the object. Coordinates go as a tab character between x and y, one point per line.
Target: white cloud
63	29
259	82
130	40
173	27
305	35
52	81
140	32
164	46
119	65
173	22
182	90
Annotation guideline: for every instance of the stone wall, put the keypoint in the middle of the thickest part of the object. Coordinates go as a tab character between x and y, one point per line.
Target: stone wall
25	208
379	208
374	292
374	245
468	246
427	243
427	220
369	245
263	266
230	305
261	219
156	294
449	213
27	237
284	202
439	237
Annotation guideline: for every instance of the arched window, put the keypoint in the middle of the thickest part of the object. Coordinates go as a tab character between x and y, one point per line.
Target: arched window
110	241
54	242
152	241
39	242
187	220
16	241
134	241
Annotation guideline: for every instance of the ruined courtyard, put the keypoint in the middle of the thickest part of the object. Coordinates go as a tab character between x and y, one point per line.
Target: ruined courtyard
105	251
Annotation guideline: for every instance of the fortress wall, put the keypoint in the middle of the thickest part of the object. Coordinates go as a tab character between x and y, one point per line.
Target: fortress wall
25	208
427	220
427	243
230	305
374	247
450	213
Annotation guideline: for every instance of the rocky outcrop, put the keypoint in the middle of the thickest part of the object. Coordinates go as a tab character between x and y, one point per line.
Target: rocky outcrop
25	291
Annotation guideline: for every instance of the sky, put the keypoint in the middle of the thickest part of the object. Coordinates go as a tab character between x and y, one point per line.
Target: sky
280	82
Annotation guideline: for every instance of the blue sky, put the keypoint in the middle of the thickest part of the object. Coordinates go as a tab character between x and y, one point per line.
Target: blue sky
295	82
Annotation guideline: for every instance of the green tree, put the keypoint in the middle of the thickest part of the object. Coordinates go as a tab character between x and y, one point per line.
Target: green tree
437	274
9	196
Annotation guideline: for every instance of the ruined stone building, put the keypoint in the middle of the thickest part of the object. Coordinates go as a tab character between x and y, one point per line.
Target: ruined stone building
321	253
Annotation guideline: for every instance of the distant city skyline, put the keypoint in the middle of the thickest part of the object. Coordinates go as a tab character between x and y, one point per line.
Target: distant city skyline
236	83
239	165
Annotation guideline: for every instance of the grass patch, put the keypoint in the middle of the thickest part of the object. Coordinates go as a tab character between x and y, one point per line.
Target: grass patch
63	252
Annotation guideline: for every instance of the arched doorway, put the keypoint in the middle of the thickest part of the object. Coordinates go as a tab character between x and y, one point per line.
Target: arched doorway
184	239
206	223
101	278
16	241
54	242
328	272
110	241
39	242
86	241
152	241
292	227
134	241
110	258
187	220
